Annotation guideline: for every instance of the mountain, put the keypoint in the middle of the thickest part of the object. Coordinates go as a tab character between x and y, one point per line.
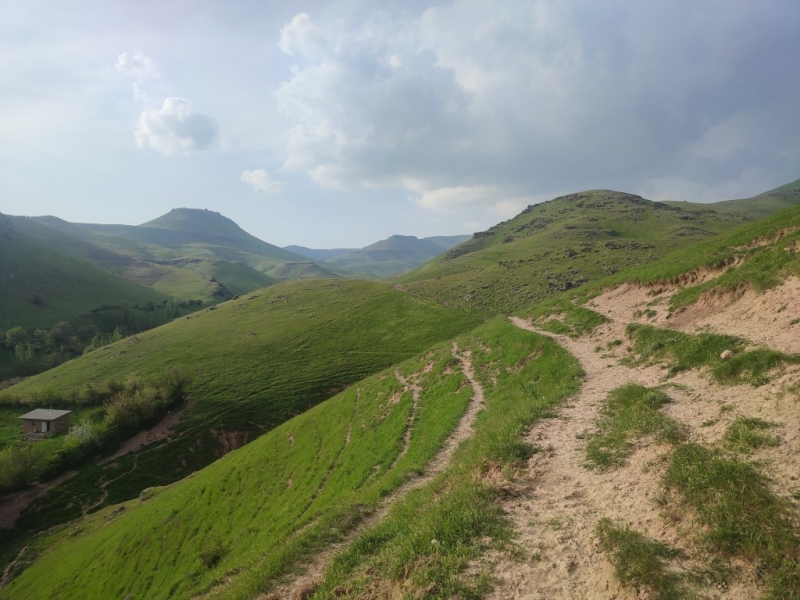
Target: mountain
187	253
319	253
42	286
393	256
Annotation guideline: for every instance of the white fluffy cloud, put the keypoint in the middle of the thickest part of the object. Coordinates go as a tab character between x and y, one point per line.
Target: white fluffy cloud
175	128
260	180
479	103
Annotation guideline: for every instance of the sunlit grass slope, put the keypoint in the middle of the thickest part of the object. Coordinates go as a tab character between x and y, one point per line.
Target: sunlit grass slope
559	245
757	255
254	363
40	286
235	526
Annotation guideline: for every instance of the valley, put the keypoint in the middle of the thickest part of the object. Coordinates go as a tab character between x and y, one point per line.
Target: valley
515	418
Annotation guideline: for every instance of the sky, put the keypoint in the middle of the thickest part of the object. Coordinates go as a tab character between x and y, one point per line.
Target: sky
339	123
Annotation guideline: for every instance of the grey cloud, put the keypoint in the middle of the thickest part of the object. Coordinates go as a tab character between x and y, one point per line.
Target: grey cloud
547	96
175	128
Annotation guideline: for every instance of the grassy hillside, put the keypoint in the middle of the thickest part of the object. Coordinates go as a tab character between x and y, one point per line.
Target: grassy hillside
761	205
236	526
253	362
41	286
559	245
187	279
395	255
179	252
318	253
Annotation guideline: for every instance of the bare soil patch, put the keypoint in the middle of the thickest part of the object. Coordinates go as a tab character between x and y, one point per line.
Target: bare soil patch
771	318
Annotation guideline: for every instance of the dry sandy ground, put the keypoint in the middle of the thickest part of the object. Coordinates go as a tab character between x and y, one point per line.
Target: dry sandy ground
559	501
771	319
304	585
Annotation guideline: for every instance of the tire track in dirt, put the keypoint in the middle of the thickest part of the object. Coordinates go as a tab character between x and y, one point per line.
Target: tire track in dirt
557	502
304	585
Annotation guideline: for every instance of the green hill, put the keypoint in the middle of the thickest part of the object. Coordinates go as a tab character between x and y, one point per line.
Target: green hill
232	529
187	278
185	233
253	363
761	205
559	245
395	255
370	466
41	286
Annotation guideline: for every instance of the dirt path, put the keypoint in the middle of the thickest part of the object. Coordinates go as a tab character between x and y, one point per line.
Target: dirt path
9	570
559	501
303	586
159	431
12	505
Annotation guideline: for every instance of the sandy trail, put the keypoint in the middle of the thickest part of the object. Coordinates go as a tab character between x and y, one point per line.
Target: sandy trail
558	501
304	585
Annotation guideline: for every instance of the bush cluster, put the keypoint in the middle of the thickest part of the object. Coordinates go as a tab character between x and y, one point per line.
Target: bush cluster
132	405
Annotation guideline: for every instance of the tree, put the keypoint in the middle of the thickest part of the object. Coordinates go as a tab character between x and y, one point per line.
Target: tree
15	336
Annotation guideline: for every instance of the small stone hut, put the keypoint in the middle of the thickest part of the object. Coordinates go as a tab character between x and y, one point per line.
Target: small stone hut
44	422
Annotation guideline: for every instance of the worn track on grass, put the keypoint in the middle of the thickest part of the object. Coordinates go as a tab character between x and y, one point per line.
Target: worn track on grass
304	585
557	501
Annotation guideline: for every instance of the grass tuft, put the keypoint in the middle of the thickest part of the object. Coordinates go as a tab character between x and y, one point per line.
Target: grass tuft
642	562
629	412
683	351
747	433
743	518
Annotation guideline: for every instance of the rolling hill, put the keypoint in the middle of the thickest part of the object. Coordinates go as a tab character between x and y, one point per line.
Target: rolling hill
253	363
187	253
393	256
558	245
760	205
41	286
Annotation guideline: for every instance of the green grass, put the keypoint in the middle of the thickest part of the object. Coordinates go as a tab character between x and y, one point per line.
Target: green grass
235	526
42	286
628	413
748	433
684	351
741	516
561	316
254	363
642	562
559	245
460	509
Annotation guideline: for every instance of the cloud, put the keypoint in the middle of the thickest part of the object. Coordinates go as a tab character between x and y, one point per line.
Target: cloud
540	97
137	65
261	180
175	128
